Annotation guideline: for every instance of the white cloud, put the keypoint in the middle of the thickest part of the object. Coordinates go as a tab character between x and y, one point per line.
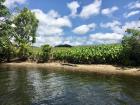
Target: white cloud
118	31
56	40
75	40
73	6
51	40
109	11
134	5
111	24
52	14
51	23
132	24
83	29
12	3
115	26
131	14
50	29
102	38
97	38
91	9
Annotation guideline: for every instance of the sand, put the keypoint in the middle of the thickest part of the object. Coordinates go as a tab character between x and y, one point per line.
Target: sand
94	68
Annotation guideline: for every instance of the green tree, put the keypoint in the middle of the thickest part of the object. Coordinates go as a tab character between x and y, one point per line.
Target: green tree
131	46
3	9
26	26
6	32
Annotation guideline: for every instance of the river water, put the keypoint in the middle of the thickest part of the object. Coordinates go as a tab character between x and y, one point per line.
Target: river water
38	86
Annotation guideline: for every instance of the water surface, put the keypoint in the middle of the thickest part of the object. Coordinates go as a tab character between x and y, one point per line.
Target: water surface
37	86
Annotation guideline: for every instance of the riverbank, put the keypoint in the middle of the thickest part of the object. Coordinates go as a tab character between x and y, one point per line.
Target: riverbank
94	68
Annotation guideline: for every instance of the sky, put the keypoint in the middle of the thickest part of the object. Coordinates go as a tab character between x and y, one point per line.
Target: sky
81	22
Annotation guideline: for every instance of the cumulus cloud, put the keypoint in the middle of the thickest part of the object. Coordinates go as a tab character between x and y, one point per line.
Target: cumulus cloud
50	27
98	38
51	40
91	9
106	38
78	40
73	6
134	5
118	31
109	11
12	3
83	29
56	40
115	26
51	23
132	24
131	14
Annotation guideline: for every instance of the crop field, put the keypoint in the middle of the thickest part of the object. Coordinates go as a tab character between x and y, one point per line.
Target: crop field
89	54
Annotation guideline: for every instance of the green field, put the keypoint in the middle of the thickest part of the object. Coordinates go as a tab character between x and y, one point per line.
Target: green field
89	54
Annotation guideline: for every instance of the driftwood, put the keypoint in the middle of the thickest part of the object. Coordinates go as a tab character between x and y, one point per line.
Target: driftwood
69	64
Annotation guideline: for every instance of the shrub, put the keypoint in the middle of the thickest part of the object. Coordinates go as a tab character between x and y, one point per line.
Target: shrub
131	47
45	52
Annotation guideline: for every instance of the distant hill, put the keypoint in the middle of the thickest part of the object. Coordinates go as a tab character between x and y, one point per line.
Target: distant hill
64	45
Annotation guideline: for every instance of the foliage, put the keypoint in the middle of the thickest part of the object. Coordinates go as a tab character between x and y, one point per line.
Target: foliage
89	55
24	51
46	50
6	33
131	47
40	54
26	26
3	9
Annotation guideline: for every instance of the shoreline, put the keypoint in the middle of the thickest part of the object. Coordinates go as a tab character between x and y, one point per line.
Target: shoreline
93	68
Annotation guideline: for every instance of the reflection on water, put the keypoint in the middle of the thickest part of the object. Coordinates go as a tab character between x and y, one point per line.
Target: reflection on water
45	87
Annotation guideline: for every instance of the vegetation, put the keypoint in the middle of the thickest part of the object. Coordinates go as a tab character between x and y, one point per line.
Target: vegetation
90	54
131	47
45	53
17	34
6	33
26	26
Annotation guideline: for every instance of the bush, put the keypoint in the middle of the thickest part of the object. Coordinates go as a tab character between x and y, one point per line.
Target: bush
24	51
45	53
131	47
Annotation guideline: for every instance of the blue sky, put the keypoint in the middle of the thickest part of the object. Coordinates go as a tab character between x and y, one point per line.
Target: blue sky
81	22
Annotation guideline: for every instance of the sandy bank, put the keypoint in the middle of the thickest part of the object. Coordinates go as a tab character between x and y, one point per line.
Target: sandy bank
101	69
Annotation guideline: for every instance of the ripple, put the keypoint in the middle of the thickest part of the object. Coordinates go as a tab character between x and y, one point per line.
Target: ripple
43	87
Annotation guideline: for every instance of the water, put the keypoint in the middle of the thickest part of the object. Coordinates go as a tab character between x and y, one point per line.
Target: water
22	86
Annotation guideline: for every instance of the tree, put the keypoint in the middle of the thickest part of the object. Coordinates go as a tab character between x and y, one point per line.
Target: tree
6	32
3	9
131	45
26	26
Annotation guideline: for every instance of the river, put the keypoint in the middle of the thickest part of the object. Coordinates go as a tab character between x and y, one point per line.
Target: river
39	86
